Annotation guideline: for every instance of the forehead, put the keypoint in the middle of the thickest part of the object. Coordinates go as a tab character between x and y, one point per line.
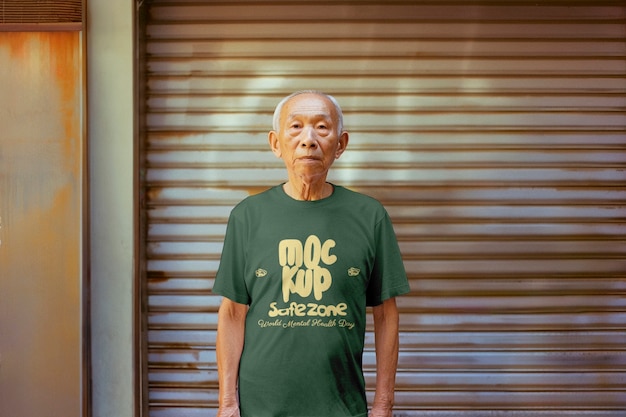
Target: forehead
311	105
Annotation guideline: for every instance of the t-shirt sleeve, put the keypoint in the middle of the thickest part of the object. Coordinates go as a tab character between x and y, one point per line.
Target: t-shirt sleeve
388	277
230	278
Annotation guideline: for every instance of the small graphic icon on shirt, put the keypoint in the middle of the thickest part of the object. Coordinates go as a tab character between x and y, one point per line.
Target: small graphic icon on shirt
260	273
353	272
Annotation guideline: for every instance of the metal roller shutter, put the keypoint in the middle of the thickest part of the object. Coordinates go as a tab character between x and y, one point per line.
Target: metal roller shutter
493	132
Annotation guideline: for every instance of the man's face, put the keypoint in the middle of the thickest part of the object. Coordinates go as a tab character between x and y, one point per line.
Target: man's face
308	141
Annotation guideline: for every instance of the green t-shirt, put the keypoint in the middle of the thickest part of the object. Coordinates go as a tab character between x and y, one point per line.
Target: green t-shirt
307	270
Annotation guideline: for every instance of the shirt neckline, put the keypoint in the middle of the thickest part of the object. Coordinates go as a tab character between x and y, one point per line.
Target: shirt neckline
304	203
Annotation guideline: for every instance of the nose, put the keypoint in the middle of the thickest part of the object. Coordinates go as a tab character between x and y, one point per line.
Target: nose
308	139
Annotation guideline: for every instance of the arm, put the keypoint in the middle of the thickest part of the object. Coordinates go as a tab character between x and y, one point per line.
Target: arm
386	327
229	345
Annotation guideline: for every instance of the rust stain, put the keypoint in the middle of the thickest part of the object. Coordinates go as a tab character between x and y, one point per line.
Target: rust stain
17	43
42	126
65	63
46	57
66	48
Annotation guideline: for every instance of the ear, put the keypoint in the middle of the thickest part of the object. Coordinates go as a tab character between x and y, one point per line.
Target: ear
342	145
272	138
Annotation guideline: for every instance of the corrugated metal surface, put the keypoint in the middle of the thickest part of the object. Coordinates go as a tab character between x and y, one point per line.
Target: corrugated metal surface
41	11
43	282
495	136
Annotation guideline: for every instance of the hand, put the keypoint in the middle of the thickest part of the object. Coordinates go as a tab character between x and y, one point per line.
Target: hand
228	411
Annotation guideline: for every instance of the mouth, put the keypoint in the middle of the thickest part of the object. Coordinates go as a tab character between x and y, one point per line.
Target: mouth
309	158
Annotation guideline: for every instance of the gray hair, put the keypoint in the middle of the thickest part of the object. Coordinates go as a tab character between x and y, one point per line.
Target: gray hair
279	108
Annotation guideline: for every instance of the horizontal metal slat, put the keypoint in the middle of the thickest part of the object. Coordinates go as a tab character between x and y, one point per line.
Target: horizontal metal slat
585	158
498	322
511	361
469	213
429	250
414	120
416	177
448	322
432	196
198	331
428	399
380	84
427	229
158	284
255	138
396	11
207	378
250	48
442	268
513	303
502	231
515	267
400	66
429	103
380	29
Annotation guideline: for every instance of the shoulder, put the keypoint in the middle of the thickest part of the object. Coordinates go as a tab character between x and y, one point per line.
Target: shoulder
258	201
357	199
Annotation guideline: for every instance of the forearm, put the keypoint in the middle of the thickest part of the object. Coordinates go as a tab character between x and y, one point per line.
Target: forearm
386	326
229	346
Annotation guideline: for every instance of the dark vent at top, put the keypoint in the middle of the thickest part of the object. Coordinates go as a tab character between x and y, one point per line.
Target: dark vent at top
40	11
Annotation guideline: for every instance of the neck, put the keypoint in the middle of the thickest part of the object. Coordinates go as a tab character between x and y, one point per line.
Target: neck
308	191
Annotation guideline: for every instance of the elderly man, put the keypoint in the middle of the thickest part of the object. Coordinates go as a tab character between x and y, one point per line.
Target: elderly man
300	264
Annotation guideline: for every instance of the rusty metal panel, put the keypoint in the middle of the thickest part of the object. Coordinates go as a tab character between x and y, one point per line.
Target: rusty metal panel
495	136
42	367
